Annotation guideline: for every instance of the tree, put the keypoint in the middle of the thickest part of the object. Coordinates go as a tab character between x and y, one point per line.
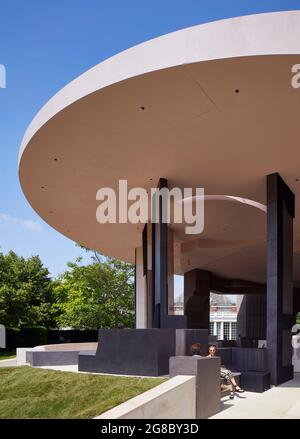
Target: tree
26	291
99	295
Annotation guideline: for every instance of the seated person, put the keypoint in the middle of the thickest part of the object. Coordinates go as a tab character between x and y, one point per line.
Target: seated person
225	374
196	350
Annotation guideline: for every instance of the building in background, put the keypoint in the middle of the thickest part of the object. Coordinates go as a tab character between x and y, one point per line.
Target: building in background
223	316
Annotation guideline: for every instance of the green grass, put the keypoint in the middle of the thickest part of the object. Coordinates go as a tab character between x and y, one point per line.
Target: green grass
6	355
27	392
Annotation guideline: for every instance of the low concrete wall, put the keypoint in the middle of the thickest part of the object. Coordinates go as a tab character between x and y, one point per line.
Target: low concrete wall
56	349
207	373
174	399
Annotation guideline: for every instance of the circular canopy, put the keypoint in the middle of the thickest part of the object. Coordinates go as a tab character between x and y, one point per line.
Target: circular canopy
210	106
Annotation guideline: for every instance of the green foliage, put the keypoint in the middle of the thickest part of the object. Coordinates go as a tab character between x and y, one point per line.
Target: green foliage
26	291
99	295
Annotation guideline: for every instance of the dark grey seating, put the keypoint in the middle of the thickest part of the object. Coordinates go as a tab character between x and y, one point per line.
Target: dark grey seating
226	356
255	381
252	365
186	337
244	359
249	359
53	358
207	372
144	352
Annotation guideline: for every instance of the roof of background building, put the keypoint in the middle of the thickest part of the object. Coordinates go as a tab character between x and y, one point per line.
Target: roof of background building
220	299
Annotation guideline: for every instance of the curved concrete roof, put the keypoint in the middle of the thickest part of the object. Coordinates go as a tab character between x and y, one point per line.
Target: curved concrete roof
209	106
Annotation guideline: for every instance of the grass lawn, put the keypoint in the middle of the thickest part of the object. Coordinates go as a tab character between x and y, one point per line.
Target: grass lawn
6	355
26	392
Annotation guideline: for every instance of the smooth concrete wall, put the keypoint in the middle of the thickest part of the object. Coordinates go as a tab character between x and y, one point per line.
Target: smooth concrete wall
174	399
207	372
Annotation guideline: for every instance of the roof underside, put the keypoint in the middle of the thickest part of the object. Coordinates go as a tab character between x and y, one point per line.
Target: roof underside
210	106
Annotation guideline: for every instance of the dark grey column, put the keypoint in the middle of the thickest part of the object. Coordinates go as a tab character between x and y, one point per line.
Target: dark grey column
160	265
296	303
281	211
252	316
197	285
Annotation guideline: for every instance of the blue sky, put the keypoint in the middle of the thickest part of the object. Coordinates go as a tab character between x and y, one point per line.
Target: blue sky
44	45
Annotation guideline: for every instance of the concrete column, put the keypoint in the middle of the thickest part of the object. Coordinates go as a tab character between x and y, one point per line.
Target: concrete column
197	285
280	214
140	291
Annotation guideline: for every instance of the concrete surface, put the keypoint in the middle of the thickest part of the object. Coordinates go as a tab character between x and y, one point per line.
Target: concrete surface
7	363
282	402
173	399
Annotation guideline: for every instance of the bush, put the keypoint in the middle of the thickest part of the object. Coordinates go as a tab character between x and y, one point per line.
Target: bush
56	336
34	336
30	336
13	338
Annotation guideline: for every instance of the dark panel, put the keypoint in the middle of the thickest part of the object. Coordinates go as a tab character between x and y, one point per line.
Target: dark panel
144	352
160	263
255	381
186	337
52	358
296	303
197	287
280	214
226	357
252	317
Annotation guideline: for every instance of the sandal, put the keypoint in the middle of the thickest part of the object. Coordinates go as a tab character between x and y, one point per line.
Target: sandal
239	390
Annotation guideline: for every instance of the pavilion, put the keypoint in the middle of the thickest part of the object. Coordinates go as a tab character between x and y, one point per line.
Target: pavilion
210	106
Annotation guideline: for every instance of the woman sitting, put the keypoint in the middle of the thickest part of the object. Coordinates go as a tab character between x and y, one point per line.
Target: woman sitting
226	374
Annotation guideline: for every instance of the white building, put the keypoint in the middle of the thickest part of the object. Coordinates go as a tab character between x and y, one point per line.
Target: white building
223	317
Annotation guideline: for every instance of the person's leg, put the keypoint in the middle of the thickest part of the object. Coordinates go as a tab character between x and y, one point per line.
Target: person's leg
236	387
231	381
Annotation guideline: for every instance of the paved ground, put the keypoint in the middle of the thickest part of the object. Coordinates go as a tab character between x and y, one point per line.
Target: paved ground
6	363
282	402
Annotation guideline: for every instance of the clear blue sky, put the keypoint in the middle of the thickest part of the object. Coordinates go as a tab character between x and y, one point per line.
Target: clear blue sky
44	44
